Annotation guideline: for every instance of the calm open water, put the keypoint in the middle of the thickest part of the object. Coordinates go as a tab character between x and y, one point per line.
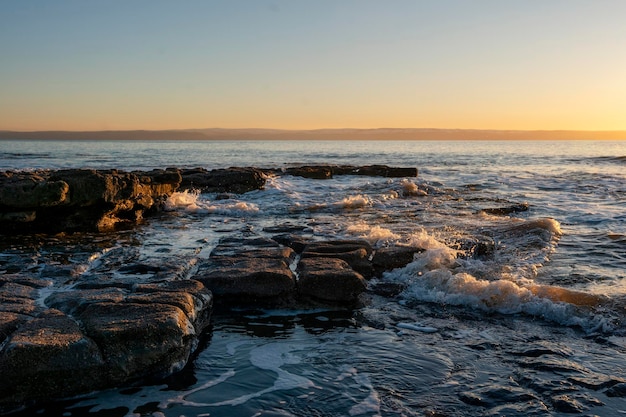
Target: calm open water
534	327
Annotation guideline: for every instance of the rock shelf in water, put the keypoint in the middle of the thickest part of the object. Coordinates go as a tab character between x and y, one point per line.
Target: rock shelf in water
107	328
100	200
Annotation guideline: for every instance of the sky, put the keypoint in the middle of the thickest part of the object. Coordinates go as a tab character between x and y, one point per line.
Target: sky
295	64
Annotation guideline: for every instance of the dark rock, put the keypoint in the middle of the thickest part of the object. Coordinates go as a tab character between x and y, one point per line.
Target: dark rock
329	279
101	281
75	301
191	296
138	340
285	228
295	242
139	268
387	289
386	259
356	253
230	180
20	190
320	172
567	404
618	390
329	171
22	279
80	199
80	340
13	304
248	267
9	322
480	247
385	171
248	277
47	356
505	211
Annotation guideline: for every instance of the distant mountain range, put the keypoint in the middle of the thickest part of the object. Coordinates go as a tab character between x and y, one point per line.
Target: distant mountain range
319	134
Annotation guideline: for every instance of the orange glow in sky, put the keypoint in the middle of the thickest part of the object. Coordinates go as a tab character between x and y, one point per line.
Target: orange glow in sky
529	65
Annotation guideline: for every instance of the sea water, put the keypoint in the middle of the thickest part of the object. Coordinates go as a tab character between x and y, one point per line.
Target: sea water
505	312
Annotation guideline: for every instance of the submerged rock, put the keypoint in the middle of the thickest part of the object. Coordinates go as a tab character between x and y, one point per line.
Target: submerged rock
505	211
322	172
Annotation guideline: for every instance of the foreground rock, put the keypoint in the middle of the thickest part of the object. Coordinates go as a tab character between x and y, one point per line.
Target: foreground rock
78	341
80	199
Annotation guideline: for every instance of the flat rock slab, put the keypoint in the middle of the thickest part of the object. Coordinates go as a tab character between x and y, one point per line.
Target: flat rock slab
80	340
329	279
387	259
356	253
230	180
46	356
249	268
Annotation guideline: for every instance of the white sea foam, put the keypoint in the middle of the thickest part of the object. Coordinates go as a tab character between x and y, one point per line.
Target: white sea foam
372	233
354	202
231	208
185	200
190	201
418	327
503	296
504	283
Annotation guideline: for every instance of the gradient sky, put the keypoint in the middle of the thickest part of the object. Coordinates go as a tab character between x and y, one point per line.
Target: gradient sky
292	64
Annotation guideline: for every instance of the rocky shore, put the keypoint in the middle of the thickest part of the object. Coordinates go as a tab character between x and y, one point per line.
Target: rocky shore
67	334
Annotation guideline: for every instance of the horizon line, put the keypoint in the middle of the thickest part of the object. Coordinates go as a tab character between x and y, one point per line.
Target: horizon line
406	134
309	130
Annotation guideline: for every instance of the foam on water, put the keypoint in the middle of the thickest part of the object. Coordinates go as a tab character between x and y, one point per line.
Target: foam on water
373	234
184	200
191	201
504	283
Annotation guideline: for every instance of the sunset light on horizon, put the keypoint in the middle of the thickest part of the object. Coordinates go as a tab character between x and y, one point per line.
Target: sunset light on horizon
451	64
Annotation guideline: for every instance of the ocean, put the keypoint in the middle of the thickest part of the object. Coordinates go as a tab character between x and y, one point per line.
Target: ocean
515	307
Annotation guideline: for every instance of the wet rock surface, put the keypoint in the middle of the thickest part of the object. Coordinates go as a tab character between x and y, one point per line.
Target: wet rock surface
329	279
356	253
58	339
230	180
248	268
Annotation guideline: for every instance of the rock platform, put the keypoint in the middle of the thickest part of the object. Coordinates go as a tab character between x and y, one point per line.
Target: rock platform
65	333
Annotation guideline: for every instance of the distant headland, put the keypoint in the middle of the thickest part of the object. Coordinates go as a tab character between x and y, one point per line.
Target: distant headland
318	134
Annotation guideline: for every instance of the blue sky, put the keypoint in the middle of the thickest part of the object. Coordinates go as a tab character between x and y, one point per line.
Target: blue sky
87	65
